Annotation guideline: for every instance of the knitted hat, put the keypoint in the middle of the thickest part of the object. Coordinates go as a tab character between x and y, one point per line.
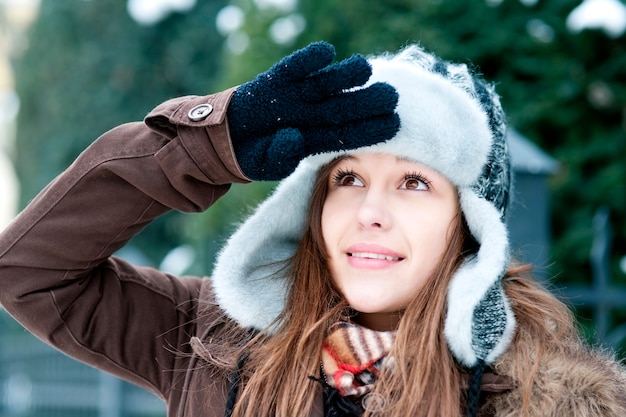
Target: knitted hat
451	121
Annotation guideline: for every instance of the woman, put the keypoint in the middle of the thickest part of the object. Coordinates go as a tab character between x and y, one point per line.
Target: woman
372	282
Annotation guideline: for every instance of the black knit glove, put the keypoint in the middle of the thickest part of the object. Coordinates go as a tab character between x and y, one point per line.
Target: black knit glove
302	106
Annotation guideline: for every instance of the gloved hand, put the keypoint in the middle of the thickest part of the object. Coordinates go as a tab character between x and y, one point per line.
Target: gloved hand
300	107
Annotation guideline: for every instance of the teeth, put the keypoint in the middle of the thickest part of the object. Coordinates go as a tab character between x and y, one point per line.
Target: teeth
374	256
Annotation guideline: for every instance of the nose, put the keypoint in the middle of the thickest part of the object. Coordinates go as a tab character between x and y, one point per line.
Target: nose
373	211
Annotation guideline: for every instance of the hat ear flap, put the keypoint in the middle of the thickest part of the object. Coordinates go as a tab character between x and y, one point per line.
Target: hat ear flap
252	264
479	324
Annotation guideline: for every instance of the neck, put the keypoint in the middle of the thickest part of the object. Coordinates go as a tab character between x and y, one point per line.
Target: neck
382	322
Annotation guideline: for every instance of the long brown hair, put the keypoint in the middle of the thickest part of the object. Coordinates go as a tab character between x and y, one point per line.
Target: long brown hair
424	380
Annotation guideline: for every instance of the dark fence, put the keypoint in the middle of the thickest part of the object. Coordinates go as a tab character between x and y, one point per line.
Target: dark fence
38	381
602	297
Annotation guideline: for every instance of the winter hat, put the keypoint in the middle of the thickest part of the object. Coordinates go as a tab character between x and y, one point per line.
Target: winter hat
451	121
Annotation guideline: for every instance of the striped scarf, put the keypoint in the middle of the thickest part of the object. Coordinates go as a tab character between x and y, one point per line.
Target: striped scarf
352	357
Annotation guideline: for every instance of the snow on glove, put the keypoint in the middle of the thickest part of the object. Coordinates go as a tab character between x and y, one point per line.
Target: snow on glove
302	106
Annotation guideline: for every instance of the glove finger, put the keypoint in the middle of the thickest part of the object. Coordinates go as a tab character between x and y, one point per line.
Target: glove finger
344	75
376	100
303	62
351	135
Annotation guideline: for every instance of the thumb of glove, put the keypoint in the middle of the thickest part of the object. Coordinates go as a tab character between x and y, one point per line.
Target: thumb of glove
271	157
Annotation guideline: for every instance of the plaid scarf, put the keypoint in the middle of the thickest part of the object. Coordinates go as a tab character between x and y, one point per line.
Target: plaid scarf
352	357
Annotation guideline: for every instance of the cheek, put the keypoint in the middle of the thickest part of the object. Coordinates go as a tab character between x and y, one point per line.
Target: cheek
432	238
324	219
444	240
330	222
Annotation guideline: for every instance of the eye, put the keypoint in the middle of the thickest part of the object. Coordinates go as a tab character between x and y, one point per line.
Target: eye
344	178
416	182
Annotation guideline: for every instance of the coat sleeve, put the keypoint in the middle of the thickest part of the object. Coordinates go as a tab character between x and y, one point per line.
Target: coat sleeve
58	277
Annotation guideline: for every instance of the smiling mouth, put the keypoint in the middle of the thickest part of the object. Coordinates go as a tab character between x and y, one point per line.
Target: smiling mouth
370	255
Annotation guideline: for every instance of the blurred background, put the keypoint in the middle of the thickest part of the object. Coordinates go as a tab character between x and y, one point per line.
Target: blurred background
72	69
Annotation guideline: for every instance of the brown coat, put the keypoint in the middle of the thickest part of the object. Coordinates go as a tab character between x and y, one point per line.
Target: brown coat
581	383
59	279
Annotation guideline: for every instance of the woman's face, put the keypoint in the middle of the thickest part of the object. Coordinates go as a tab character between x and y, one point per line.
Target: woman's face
385	224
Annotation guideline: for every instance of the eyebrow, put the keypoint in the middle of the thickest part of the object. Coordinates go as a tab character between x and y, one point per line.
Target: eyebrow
354	157
346	156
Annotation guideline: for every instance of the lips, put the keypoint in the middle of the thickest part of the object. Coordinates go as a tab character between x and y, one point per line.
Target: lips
372	255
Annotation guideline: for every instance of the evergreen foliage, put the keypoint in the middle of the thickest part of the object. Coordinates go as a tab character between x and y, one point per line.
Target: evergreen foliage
90	67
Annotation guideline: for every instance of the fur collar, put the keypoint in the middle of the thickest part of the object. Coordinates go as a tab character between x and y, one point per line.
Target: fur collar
578	382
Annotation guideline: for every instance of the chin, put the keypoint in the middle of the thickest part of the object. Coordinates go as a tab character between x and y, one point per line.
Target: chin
362	302
369	308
